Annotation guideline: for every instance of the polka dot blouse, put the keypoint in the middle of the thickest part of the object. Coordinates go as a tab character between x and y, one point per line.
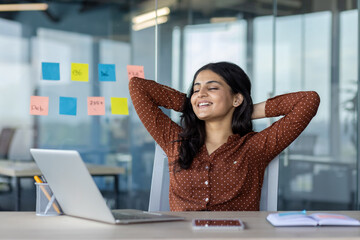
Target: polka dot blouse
230	178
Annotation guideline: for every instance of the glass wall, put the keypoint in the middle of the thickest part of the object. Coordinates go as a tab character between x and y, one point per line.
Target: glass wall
319	170
284	46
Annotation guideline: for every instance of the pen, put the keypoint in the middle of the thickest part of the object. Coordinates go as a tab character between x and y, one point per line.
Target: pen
38	180
49	204
43	179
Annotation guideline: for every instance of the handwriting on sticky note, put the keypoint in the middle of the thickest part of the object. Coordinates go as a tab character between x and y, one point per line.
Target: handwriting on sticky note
107	72
80	72
135	71
77	72
96	105
39	105
119	106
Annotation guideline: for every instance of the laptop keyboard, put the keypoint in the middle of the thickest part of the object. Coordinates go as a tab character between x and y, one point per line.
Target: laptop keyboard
126	216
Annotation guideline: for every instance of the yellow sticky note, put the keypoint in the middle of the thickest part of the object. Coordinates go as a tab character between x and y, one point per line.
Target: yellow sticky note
80	72
119	106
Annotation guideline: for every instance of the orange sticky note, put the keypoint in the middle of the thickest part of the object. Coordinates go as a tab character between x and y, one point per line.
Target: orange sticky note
119	106
39	105
135	71
80	72
96	105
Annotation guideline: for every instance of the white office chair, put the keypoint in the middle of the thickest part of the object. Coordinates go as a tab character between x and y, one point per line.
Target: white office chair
159	193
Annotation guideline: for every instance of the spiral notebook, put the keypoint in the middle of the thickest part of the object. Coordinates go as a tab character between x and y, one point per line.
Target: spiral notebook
287	219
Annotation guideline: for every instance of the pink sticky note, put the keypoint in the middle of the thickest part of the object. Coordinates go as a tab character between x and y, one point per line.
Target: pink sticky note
96	105
135	71
39	105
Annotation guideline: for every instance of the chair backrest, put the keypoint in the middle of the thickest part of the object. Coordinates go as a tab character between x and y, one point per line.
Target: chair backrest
6	137
159	193
269	190
21	142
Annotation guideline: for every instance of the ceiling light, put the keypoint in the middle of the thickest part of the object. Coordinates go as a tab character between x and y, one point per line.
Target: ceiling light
222	19
151	15
23	7
287	3
150	23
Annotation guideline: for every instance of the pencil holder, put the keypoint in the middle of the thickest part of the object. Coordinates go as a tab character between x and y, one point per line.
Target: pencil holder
46	204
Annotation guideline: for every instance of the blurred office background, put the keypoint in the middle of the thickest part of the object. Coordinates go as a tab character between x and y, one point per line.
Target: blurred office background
283	45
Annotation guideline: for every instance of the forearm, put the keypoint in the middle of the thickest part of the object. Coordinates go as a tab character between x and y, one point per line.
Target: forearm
292	103
284	104
148	92
259	111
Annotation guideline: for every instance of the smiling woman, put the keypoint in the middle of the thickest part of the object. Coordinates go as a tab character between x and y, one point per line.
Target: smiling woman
216	160
227	88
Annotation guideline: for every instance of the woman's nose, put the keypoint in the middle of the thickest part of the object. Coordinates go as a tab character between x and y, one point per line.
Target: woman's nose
202	92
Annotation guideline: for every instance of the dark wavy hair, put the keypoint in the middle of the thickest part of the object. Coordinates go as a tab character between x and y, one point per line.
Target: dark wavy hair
193	135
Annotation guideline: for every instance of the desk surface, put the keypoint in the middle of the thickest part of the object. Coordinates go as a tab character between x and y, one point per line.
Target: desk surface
29	169
26	225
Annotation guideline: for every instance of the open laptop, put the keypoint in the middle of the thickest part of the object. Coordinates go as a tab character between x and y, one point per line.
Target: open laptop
77	193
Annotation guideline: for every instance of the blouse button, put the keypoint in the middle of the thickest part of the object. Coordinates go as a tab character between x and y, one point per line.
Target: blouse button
206	199
235	162
206	167
206	182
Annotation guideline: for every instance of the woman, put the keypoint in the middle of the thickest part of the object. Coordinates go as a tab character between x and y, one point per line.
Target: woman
216	160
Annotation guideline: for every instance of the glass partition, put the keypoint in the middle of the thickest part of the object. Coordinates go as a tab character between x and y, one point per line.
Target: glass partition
318	171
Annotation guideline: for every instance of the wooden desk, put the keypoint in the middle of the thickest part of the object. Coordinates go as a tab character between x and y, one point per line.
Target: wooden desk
19	170
26	225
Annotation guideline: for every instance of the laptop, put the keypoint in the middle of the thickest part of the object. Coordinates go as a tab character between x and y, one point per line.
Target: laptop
77	193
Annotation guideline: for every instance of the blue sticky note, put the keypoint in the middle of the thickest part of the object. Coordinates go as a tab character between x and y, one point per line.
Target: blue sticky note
50	71
67	105
107	72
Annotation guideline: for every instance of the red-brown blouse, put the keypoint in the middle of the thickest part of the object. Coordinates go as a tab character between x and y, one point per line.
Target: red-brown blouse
229	179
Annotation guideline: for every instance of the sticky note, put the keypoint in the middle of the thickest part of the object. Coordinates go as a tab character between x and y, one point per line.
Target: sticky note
106	72
135	71
39	105
67	106
119	106
50	71
96	105
80	72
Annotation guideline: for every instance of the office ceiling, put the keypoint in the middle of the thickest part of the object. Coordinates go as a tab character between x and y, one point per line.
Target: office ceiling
204	8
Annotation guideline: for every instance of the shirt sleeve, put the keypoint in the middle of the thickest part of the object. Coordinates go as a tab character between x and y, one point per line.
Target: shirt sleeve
298	109
147	96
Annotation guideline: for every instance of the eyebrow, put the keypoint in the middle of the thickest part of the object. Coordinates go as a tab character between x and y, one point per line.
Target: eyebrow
208	82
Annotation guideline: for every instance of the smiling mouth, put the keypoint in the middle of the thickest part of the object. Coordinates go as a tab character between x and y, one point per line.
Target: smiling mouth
204	104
